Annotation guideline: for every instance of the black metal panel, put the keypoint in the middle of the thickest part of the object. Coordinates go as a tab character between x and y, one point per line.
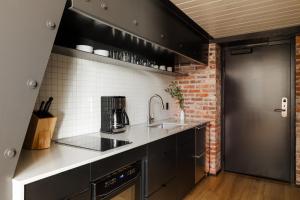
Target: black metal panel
161	163
61	186
257	139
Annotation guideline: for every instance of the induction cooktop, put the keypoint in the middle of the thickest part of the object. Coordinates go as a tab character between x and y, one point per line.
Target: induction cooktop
93	142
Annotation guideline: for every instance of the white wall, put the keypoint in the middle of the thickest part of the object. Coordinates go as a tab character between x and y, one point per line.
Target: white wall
77	85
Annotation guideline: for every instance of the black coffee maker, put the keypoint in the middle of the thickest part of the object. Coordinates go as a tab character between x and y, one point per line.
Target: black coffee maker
113	115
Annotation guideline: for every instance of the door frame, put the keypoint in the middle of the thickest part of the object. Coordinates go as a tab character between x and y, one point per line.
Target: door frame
292	42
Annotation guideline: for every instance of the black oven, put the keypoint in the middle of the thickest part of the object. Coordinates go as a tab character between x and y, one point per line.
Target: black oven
122	184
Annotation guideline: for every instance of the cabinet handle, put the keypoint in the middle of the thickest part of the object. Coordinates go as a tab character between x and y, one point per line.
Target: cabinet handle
198	156
51	25
103	5
135	22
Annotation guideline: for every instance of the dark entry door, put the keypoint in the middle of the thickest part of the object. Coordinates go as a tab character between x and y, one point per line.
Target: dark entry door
257	132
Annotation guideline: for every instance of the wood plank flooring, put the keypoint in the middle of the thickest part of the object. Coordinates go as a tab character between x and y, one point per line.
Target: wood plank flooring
230	186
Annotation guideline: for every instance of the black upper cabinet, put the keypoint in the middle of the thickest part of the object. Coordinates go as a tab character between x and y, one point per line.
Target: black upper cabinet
154	20
160	24
121	14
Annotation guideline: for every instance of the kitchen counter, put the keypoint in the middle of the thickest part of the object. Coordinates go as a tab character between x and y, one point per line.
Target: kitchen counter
35	165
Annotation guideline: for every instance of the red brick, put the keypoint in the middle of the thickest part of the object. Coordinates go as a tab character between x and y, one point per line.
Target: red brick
183	82
188	86
298	39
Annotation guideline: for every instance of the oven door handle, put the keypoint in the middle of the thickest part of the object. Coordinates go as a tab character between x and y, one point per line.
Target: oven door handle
105	195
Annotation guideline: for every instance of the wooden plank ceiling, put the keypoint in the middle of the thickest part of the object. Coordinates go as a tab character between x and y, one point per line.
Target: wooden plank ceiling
222	18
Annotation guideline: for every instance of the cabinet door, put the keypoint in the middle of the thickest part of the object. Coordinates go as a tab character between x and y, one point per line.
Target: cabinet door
154	21
121	14
186	162
200	153
161	163
61	186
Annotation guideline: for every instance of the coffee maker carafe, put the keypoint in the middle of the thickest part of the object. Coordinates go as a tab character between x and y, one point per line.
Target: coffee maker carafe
113	115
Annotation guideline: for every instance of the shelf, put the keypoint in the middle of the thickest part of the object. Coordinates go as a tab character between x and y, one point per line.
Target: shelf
93	57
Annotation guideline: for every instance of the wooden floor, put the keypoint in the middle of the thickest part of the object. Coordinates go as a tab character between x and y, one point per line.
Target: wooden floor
230	186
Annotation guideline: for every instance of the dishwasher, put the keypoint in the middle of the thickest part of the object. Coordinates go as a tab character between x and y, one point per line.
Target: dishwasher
120	184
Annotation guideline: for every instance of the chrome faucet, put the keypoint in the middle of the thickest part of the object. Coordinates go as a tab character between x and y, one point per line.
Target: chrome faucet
150	118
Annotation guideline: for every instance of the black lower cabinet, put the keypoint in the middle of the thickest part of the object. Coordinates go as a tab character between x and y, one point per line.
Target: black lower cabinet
170	167
73	184
168	172
185	162
160	164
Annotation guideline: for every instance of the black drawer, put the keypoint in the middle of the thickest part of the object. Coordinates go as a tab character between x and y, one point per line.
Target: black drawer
200	140
166	192
161	163
60	186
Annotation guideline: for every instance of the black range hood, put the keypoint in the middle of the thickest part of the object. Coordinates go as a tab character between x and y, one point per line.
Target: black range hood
150	28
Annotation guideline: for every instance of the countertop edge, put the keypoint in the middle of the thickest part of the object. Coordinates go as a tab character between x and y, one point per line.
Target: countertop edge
18	180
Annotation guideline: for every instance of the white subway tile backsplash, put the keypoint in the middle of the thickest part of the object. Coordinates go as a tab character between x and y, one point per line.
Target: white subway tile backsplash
78	84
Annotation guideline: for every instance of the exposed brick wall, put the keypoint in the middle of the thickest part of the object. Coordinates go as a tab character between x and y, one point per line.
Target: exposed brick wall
202	92
298	110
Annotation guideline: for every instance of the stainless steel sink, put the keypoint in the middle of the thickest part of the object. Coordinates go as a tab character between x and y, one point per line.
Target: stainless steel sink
165	125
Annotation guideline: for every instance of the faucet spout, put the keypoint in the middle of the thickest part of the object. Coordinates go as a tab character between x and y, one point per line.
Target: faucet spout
150	118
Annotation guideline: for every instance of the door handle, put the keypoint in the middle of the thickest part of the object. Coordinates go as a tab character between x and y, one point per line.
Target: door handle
279	110
284	107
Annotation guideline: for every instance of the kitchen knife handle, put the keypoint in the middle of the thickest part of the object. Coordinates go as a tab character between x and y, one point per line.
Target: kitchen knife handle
47	106
41	106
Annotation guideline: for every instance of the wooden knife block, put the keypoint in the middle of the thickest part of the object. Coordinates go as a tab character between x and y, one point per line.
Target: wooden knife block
40	132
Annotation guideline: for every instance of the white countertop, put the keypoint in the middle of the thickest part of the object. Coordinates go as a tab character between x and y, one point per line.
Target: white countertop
34	165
